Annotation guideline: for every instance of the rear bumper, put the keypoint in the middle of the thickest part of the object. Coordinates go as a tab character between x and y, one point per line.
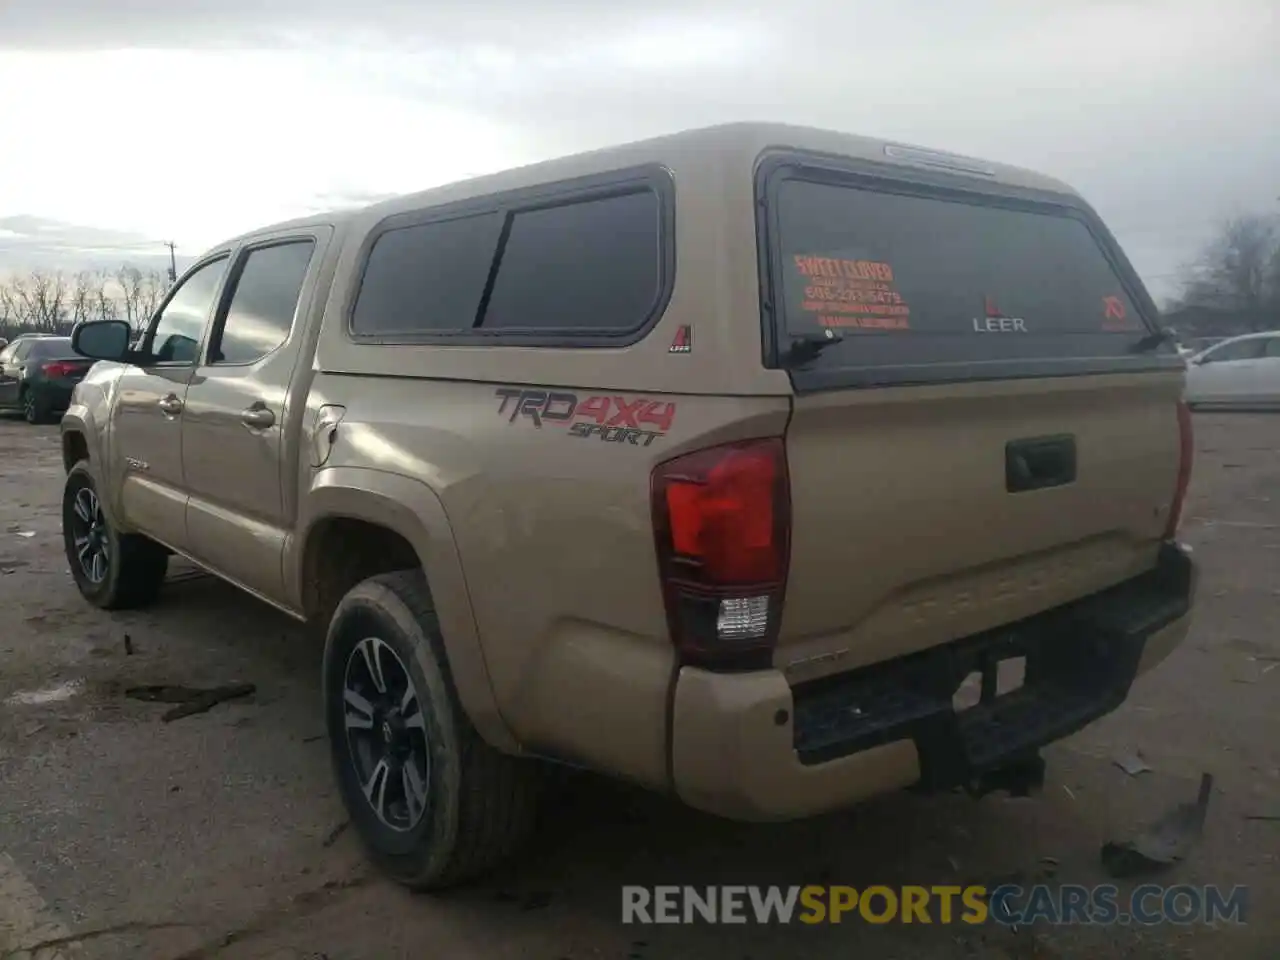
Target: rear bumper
751	747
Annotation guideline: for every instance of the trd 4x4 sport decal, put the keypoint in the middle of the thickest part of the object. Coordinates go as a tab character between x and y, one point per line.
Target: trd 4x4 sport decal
612	418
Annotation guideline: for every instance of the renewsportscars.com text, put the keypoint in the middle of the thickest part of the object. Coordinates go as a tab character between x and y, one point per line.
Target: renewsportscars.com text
1008	905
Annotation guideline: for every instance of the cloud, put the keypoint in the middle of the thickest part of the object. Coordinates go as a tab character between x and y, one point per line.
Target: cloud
241	141
90	25
220	116
35	243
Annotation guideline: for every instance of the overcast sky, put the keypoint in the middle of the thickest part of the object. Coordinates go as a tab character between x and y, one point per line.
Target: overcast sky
195	119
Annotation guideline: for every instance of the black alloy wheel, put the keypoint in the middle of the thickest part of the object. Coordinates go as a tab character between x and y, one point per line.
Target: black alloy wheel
432	802
91	539
386	734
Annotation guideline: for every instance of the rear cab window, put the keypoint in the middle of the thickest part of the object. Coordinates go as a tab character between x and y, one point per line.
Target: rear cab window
922	283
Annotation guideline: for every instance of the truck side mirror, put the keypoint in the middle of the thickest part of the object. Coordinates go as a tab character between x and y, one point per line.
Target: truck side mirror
101	339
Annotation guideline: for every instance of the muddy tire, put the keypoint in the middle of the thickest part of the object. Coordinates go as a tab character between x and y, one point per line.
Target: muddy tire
113	571
434	804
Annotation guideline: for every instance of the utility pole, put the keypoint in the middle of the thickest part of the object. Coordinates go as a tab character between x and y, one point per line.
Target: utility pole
173	261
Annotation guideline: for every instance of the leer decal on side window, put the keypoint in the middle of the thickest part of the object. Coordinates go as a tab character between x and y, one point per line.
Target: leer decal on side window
1115	316
861	294
611	418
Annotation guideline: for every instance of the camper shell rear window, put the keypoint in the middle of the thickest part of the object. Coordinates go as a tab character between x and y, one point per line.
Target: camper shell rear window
922	281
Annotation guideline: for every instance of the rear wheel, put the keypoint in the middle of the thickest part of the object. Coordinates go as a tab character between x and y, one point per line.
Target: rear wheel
35	407
113	571
433	803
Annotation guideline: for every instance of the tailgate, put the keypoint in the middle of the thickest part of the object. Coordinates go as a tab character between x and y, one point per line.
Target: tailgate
905	532
984	425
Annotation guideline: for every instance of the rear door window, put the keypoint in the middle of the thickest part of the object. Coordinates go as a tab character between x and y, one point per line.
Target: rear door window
918	281
260	315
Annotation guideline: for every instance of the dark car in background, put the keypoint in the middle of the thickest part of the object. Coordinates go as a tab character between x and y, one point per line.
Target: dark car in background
37	375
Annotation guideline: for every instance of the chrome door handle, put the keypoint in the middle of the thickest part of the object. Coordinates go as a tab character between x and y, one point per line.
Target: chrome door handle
258	417
171	405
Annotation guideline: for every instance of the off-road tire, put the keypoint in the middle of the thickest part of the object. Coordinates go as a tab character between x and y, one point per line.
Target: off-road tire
481	804
34	408
136	566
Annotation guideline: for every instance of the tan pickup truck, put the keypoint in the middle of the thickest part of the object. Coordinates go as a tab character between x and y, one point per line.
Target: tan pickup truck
766	467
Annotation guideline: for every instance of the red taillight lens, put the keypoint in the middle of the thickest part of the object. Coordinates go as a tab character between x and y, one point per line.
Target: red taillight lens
721	507
721	521
1186	455
59	368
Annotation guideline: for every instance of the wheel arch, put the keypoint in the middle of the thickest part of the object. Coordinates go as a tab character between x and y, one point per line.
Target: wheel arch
382	522
75	446
82	441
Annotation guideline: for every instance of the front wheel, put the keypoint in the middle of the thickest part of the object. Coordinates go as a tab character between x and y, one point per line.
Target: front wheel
113	571
432	802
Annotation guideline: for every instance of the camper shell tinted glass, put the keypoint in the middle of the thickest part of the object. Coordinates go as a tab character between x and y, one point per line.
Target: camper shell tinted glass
583	263
925	282
427	276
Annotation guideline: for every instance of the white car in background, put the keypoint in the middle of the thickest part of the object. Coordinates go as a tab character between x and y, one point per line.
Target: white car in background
1242	372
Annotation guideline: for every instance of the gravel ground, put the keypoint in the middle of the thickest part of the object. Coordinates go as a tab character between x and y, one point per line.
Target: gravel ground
220	835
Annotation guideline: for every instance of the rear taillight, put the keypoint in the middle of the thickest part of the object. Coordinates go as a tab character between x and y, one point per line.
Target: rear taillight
61	368
1186	453
721	518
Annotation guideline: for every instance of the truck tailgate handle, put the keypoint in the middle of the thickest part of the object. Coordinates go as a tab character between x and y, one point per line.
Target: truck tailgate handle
1035	463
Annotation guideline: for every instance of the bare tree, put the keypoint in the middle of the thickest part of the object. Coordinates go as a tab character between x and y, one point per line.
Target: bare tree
84	296
18	290
8	311
129	278
42	300
1239	271
151	292
1273	278
106	306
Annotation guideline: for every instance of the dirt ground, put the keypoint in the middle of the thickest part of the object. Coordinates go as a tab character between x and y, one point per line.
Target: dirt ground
220	835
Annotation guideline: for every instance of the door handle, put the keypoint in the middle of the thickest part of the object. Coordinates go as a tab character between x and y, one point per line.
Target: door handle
171	405
258	418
